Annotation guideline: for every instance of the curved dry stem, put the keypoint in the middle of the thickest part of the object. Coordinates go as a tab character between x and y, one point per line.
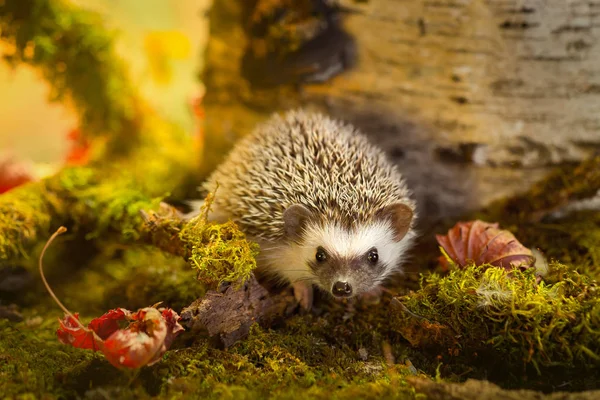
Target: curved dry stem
59	231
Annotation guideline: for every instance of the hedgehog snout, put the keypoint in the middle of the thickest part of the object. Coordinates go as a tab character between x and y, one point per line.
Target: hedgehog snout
341	289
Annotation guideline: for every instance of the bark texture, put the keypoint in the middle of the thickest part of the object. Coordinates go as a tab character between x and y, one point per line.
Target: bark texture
475	100
228	316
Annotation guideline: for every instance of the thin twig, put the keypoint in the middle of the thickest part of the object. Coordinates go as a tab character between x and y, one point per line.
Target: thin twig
59	231
397	303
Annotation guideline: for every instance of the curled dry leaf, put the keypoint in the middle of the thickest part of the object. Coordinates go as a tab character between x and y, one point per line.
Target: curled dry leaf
149	333
483	243
108	324
143	342
72	332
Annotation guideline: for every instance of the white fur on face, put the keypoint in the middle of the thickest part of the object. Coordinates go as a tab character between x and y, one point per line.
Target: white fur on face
351	244
292	261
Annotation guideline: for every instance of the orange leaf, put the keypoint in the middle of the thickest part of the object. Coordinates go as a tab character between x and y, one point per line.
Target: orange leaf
484	243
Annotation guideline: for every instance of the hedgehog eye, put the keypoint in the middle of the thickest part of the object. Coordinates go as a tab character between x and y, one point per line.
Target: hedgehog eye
372	256
321	255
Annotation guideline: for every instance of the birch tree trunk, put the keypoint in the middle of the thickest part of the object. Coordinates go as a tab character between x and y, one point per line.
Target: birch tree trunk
473	99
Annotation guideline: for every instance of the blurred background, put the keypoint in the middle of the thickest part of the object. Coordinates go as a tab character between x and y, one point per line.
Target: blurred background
162	43
474	101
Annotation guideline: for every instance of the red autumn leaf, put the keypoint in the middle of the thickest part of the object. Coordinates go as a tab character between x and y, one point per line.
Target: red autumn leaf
173	326
108	324
484	243
71	332
148	336
143	343
13	173
131	349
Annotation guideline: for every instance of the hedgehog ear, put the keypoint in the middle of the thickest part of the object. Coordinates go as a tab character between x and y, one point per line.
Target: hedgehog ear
294	220
401	216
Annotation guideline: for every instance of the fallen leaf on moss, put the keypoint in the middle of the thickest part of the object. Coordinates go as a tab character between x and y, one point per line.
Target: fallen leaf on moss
143	342
72	332
483	243
108	324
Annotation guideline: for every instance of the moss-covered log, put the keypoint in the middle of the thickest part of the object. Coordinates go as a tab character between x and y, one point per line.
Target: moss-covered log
219	252
98	199
561	187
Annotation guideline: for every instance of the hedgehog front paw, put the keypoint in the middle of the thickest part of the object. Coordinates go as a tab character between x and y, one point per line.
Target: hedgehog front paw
303	292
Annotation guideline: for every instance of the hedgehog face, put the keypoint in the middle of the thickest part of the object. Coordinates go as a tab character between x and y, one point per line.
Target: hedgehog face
344	262
351	262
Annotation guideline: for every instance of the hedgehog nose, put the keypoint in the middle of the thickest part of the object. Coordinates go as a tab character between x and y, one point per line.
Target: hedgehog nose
341	289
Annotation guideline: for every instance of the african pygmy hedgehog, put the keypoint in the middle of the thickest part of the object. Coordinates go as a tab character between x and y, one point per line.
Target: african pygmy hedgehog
324	204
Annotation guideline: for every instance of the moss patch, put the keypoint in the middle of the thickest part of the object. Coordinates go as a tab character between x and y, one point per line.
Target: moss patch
560	187
220	252
266	365
574	240
279	365
508	316
32	361
24	213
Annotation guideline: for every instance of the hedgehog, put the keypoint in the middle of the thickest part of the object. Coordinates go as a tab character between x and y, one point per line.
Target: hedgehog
325	205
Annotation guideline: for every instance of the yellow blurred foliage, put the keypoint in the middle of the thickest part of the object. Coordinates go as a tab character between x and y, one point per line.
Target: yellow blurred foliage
161	48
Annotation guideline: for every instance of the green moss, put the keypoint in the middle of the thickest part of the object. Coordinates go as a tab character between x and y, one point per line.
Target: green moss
102	200
24	213
220	252
574	240
275	364
144	276
563	185
508	316
282	365
32	360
